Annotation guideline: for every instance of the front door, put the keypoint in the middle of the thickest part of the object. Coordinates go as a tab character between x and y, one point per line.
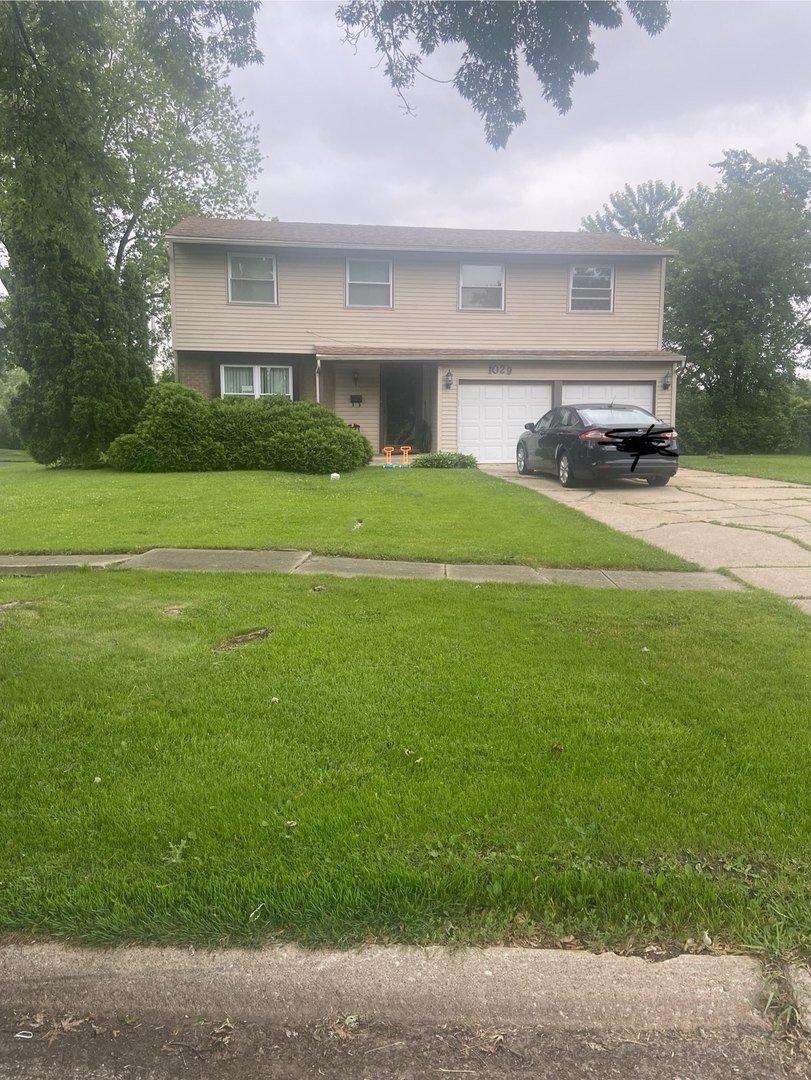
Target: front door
401	406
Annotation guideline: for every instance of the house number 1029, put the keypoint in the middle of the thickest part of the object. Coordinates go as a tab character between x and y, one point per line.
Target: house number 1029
499	369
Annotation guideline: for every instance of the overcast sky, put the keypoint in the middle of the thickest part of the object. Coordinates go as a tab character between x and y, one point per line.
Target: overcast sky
722	75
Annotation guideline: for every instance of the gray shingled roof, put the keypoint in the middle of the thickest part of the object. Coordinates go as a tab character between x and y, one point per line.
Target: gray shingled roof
402	238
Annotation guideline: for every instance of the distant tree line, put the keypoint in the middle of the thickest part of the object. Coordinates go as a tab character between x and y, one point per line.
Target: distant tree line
738	297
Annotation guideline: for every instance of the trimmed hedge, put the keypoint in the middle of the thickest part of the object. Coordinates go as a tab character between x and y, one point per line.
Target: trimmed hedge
445	460
181	431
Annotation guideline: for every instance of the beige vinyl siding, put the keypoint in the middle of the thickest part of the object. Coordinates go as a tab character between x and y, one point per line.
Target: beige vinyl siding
564	370
311	306
367	414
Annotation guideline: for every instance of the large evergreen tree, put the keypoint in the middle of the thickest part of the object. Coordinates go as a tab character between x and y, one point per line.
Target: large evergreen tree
83	166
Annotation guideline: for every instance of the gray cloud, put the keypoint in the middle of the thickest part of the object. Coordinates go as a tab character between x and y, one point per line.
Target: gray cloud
722	75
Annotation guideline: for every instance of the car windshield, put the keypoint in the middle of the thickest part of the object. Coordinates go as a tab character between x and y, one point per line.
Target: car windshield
619	416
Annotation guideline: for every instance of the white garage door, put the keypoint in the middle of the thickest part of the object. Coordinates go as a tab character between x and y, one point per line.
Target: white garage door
623	393
492	416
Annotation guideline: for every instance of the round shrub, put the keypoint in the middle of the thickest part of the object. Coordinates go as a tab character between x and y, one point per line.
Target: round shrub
173	434
318	450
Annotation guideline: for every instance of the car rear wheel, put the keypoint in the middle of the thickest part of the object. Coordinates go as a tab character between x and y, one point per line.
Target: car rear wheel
522	461
657	481
565	472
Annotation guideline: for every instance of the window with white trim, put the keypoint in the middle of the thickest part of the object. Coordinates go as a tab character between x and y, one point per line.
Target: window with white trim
368	283
591	288
251	279
255	380
481	287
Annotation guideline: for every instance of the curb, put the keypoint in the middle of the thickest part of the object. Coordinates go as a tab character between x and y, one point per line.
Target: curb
565	991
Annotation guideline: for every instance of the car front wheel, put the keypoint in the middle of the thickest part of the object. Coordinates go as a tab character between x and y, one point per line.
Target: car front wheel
565	472
522	461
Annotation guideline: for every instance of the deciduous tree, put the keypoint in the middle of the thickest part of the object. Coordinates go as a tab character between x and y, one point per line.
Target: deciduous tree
646	212
735	307
553	39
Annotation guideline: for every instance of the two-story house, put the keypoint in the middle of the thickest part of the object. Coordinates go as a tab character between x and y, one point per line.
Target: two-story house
447	339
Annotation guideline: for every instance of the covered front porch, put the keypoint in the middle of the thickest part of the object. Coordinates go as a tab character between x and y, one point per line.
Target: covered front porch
393	403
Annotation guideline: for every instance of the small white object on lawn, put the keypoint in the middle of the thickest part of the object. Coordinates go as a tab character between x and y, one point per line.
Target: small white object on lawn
335	476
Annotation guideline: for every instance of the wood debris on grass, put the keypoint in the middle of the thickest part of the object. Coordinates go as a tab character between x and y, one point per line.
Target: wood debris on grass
238	640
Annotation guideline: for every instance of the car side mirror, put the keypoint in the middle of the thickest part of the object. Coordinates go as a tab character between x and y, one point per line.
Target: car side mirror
529	427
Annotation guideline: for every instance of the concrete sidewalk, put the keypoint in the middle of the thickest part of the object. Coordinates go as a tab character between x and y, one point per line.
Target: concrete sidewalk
305	562
759	530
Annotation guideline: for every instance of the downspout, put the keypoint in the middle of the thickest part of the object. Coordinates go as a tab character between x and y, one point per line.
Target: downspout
170	257
317	381
678	368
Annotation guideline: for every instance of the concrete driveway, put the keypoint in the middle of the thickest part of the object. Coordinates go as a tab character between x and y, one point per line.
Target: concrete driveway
758	529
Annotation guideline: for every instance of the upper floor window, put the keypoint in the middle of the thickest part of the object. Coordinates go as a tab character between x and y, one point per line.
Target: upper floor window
481	287
251	279
368	283
256	380
591	288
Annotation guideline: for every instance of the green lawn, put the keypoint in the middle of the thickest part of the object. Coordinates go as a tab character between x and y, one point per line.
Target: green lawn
793	467
384	765
433	515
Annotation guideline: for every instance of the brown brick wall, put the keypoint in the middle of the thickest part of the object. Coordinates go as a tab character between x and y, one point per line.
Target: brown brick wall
198	371
202	370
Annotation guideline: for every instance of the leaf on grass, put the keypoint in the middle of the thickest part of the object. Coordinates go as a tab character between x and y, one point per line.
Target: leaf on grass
239	640
64	1027
344	1027
318	588
556	746
172	611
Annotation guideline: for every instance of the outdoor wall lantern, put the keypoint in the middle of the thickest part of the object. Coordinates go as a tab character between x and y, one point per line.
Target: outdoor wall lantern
667	381
356	376
448	380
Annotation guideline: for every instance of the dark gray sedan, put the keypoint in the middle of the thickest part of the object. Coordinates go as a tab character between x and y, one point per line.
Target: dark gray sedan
584	442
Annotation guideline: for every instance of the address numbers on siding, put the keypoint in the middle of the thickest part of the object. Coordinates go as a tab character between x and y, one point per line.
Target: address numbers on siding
499	369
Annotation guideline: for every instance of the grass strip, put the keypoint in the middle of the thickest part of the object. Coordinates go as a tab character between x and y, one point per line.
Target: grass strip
399	760
795	468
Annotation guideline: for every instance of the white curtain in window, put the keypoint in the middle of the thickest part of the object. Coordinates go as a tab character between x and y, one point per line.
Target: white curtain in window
237	380
276	381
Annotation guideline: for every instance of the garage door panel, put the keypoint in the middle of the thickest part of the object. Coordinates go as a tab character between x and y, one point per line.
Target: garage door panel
492	416
622	393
